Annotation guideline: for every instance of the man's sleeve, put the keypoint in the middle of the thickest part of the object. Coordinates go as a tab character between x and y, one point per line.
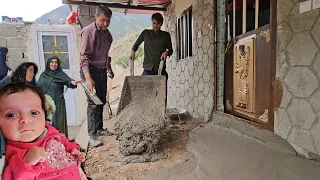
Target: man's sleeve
86	49
109	64
139	41
169	45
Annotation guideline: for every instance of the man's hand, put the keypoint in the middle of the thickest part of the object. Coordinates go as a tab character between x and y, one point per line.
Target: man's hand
110	74
10	74
164	56
79	156
132	56
76	82
89	82
35	155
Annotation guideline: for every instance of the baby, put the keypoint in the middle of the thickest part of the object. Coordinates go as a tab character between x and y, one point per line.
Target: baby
35	150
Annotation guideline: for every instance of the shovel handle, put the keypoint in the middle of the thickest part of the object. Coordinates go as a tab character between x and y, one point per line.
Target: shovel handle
131	67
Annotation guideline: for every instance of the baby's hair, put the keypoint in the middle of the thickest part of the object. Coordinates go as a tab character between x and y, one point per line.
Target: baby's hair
21	87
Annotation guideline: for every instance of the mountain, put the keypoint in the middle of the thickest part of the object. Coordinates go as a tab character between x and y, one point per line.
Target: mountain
121	24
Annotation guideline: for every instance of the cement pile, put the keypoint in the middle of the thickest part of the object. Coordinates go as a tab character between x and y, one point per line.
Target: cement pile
141	121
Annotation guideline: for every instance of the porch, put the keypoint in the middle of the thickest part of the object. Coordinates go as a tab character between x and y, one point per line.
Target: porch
229	149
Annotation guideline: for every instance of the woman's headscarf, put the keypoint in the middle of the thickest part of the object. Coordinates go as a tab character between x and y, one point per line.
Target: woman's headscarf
21	72
3	64
57	76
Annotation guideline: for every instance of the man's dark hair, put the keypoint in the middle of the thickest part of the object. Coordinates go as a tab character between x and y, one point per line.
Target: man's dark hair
158	17
21	87
105	10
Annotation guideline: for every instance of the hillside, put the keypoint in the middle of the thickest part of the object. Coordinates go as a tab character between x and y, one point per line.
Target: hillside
121	24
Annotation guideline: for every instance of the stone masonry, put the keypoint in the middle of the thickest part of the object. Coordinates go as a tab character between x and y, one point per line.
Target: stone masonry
298	75
16	36
190	84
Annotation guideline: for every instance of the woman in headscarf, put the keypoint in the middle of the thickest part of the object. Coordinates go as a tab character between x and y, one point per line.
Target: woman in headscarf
26	72
5	72
5	79
52	82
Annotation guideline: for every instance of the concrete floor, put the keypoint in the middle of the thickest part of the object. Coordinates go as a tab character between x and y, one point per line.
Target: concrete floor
226	149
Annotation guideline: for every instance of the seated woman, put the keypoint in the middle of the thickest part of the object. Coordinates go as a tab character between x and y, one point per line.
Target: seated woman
52	82
26	72
5	72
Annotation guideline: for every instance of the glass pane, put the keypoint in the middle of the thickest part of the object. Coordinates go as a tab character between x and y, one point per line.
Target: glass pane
48	43
62	43
64	58
46	57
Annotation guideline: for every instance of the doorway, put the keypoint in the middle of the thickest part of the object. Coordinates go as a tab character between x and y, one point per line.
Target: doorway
249	61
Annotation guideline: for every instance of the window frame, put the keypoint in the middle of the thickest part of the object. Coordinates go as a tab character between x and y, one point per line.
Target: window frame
184	27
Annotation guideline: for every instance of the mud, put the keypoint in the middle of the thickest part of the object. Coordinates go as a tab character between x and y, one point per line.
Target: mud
140	119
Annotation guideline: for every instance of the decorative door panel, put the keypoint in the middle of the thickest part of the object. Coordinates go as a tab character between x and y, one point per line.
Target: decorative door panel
248	77
244	76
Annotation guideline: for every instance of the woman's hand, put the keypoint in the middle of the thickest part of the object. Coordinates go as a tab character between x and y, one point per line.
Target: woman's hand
10	74
76	82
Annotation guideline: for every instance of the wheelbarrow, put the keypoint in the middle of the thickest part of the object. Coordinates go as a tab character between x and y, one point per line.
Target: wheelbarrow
141	90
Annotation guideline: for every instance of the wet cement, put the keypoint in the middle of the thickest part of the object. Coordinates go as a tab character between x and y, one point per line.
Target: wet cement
140	119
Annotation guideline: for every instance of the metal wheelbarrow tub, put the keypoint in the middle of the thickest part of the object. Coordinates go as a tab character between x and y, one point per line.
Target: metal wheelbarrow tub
142	90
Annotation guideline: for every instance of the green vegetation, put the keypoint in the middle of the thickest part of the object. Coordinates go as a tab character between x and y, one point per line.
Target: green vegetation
124	60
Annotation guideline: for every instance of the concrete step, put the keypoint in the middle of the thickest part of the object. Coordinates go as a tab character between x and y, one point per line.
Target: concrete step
227	149
226	155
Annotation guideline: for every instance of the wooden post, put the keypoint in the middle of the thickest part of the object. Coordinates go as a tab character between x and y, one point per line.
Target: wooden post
234	19
244	16
257	15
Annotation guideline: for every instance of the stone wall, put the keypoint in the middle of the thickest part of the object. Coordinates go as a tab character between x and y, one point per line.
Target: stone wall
86	14
190	83
16	37
298	76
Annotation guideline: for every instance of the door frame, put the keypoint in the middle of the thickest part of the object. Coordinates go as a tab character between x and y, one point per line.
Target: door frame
220	77
37	33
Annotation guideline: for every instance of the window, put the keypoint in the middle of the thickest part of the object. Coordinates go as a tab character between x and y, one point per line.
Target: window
56	46
185	34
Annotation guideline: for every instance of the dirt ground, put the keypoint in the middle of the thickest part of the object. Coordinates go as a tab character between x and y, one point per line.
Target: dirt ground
101	163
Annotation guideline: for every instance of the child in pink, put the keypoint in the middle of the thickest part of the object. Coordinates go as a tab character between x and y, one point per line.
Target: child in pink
34	150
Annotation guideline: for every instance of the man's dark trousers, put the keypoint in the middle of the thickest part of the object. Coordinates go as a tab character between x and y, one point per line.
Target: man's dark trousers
95	112
164	72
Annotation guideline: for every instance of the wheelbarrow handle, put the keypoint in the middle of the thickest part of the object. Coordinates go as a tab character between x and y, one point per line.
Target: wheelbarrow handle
160	67
131	67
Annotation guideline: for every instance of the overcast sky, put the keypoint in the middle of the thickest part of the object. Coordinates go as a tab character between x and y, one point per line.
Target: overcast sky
29	10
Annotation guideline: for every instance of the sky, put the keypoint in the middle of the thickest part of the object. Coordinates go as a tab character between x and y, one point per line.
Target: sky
29	10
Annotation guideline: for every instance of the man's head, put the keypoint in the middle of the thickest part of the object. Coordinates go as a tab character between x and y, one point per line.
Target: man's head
103	17
22	114
157	21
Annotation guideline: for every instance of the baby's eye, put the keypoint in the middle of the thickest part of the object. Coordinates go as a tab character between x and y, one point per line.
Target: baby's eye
11	115
35	113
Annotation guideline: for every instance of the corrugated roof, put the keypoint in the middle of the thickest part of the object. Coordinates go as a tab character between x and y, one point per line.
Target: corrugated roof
126	6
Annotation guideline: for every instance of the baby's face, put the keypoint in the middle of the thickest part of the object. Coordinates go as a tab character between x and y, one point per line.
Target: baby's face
21	116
